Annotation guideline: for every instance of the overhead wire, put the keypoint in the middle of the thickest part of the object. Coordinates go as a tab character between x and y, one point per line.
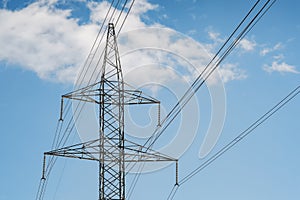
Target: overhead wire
238	138
190	90
250	25
209	69
202	78
134	182
123	7
173	192
126	16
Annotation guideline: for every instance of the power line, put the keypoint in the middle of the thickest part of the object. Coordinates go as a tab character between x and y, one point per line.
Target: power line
237	139
208	70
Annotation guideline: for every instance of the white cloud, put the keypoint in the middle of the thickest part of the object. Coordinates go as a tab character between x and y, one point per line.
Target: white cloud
165	48
268	50
44	40
279	57
143	6
192	32
265	51
247	45
134	20
277	46
48	41
231	72
280	67
214	36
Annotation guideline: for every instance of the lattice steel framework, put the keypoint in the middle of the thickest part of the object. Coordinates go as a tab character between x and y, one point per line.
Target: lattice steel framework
111	150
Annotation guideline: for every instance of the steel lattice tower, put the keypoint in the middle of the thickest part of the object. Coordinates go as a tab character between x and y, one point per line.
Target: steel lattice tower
111	121
111	150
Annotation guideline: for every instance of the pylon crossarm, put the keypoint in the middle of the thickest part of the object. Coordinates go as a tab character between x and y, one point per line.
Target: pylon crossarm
87	94
91	93
139	153
135	96
91	150
87	151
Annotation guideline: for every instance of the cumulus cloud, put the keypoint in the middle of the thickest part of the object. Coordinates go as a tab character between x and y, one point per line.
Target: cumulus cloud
280	67
268	50
247	45
44	40
134	20
215	36
50	42
279	57
231	72
164	48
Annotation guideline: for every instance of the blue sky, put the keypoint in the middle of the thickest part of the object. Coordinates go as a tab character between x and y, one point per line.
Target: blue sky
43	44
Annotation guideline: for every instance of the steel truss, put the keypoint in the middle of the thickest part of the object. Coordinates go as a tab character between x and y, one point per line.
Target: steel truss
111	150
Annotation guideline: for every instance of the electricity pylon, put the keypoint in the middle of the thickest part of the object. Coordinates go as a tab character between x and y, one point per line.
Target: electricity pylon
111	150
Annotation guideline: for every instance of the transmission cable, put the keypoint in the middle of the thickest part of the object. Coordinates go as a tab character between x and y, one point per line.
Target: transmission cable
238	138
131	5
190	89
196	85
201	80
177	107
